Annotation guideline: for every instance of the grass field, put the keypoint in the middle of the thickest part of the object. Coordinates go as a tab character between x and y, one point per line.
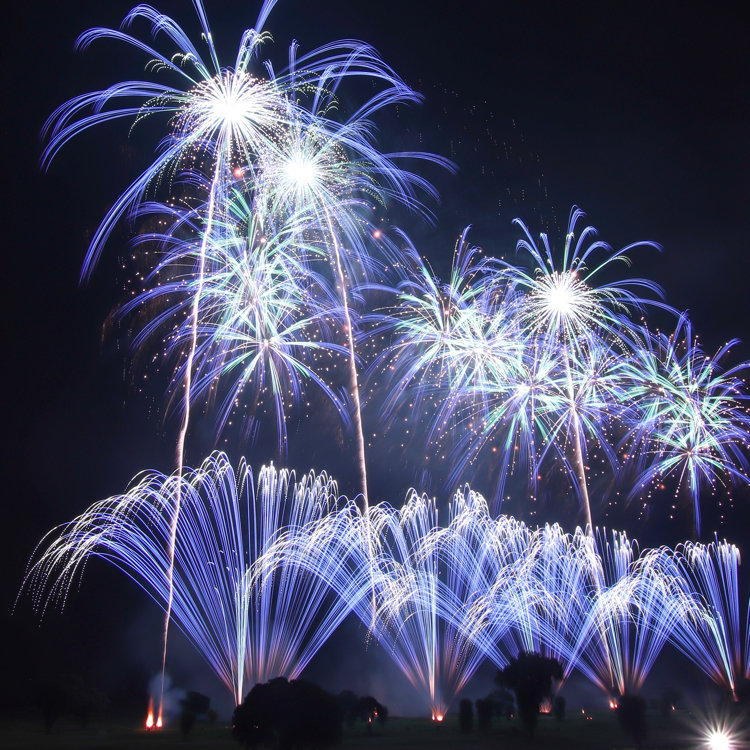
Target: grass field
600	732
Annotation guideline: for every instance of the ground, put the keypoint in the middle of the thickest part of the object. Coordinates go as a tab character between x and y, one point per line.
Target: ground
600	732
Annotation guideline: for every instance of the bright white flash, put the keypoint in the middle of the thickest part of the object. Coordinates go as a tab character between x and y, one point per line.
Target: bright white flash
560	297
719	740
229	109
300	171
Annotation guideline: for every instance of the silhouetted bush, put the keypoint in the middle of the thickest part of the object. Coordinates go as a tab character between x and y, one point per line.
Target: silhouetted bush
559	707
369	710
348	701
485	709
196	703
193	705
52	700
631	712
466	715
288	714
67	694
530	677
187	722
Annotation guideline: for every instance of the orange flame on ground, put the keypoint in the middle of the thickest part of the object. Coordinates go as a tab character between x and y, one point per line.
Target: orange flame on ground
150	716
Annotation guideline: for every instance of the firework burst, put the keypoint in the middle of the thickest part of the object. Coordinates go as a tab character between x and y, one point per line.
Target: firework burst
687	417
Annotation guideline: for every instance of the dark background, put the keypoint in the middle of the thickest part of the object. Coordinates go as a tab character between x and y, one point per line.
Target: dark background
637	112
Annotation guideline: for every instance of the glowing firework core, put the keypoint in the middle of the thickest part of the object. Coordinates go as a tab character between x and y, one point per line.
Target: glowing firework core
562	294
718	740
301	172
233	104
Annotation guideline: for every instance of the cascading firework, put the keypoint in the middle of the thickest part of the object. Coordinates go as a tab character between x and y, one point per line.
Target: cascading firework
265	571
249	621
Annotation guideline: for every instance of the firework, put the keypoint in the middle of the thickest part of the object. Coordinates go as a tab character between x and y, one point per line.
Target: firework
451	344
687	417
568	310
566	304
565	569
226	122
525	364
215	113
454	336
264	332
711	632
249	619
264	572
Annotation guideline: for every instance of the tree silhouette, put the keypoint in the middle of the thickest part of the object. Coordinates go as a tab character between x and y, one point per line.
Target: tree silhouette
631	711
288	715
530	677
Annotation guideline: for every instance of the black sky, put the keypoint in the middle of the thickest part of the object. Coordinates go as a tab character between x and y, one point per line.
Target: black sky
638	112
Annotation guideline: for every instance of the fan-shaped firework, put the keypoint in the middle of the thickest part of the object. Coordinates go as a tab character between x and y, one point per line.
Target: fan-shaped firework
636	610
711	633
444	597
565	569
249	620
406	619
264	573
489	587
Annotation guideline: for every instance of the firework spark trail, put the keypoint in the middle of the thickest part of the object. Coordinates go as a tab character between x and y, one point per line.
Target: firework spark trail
252	613
353	377
186	419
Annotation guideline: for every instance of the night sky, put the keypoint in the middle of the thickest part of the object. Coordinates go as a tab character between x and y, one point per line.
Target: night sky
637	112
